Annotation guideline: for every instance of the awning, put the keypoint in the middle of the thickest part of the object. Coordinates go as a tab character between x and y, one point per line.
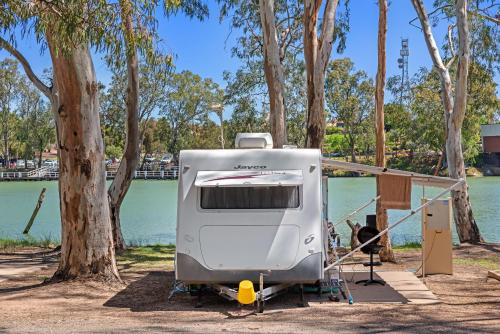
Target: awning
248	178
420	179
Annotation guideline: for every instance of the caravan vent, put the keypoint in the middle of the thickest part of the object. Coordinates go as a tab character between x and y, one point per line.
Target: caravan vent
254	140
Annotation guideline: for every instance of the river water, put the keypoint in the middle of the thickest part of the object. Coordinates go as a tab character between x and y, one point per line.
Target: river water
149	210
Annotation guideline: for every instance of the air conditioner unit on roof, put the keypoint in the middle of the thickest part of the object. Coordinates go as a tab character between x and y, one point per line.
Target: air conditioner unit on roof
254	140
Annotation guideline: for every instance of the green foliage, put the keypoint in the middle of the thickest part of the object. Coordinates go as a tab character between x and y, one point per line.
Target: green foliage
113	151
189	100
245	118
9	89
335	143
249	84
37	128
418	124
155	76
349	98
26	121
484	32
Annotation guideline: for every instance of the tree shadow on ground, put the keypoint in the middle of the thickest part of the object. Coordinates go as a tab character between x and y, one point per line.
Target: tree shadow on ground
150	293
22	288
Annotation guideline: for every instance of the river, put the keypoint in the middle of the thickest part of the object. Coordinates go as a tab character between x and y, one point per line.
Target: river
149	210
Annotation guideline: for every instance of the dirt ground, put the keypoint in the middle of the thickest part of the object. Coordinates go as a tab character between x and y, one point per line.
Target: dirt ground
469	304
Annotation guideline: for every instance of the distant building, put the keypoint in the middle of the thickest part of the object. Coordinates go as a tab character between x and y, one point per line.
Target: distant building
334	123
490	137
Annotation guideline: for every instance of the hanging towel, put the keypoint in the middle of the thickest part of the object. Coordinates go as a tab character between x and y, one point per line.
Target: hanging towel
395	191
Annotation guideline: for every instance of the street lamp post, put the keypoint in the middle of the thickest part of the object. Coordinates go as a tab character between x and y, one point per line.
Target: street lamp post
219	110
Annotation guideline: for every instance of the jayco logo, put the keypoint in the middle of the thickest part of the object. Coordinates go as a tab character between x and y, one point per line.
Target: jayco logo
249	167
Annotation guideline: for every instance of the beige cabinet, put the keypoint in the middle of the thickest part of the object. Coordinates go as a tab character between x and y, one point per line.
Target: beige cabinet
436	232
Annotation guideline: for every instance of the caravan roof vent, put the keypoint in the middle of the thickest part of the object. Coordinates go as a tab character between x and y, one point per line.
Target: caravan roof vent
253	140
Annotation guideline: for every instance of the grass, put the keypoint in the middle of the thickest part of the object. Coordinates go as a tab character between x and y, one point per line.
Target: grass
28	241
490	263
412	245
156	256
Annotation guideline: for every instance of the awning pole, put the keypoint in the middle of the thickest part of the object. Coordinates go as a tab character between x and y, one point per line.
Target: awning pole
424	223
426	204
356	211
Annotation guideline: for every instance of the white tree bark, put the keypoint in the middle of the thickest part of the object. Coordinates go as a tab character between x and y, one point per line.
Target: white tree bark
317	51
454	112
274	73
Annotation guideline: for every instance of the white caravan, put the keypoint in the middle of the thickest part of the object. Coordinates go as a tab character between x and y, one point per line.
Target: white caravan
250	211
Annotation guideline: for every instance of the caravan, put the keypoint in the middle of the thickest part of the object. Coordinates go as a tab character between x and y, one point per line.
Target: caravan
249	212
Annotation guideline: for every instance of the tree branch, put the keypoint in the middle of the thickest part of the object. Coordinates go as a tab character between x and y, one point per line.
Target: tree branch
429	38
46	90
484	16
460	103
450	44
327	32
450	39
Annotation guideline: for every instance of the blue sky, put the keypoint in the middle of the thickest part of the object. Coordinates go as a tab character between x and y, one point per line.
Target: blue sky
201	46
205	48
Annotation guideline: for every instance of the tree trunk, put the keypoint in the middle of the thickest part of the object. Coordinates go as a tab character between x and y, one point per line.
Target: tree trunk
6	154
454	115
386	253
354	234
440	162
316	55
40	158
131	156
274	74
462	211
467	228
86	240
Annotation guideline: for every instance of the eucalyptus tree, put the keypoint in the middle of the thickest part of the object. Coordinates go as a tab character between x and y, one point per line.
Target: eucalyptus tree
454	103
418	125
270	38
37	128
10	82
189	100
137	38
317	52
153	74
386	253
67	30
349	98
246	117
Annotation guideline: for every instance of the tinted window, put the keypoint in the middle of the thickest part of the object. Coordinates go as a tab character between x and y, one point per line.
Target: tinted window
281	197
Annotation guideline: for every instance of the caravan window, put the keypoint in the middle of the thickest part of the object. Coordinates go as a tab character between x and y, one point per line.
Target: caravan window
277	197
